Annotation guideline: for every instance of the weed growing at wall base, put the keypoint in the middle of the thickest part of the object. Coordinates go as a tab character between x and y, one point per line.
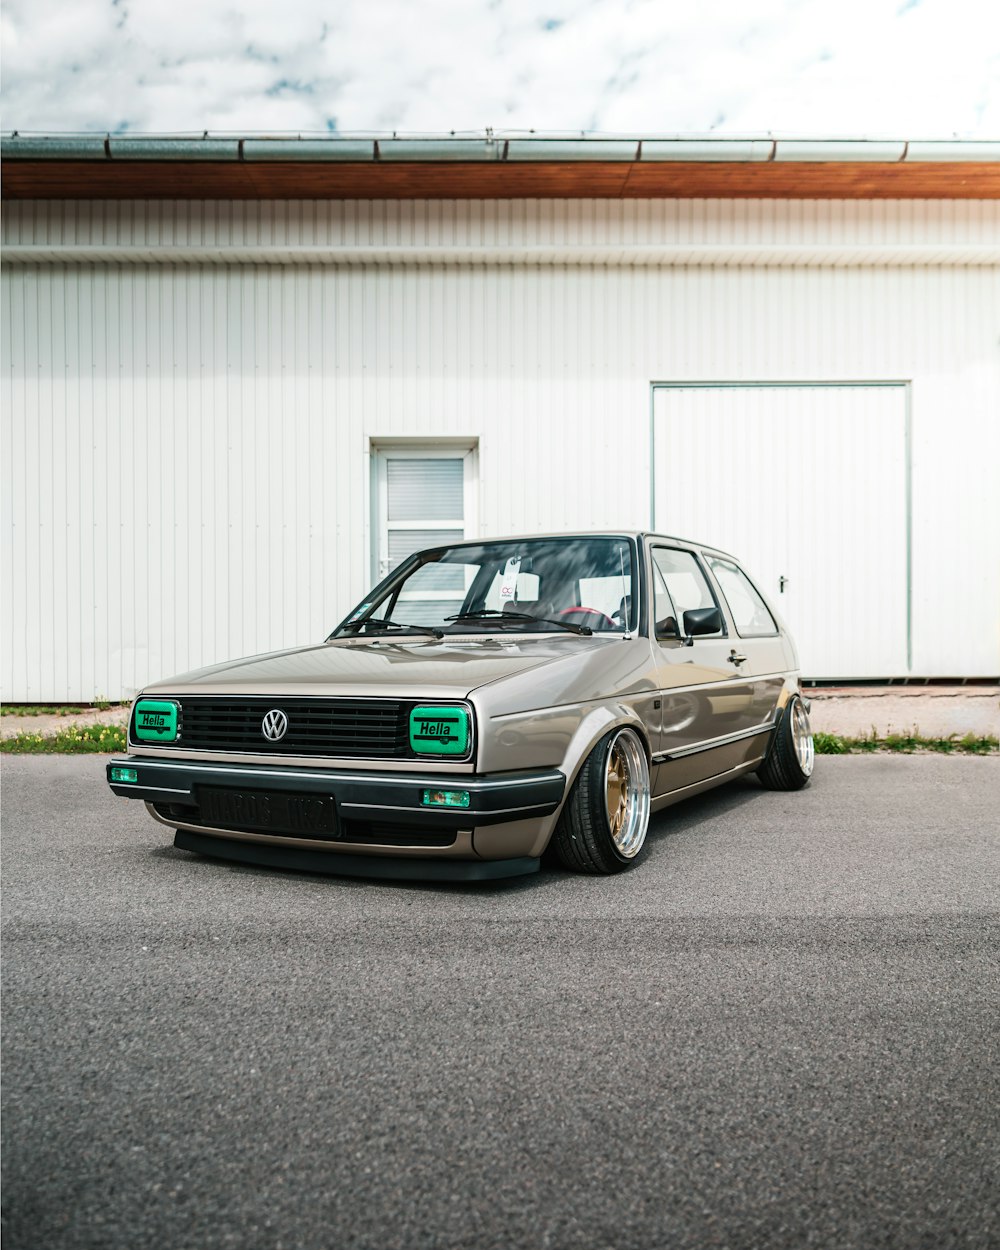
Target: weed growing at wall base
906	744
76	740
43	709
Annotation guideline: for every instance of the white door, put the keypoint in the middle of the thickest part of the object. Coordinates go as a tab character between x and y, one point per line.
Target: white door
807	486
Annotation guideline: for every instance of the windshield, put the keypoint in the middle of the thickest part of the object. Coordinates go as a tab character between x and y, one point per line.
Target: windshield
551	585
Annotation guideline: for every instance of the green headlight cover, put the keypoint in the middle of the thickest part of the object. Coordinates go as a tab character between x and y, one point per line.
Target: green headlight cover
155	721
439	730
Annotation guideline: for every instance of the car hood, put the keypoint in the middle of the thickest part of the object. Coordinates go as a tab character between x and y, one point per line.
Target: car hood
416	668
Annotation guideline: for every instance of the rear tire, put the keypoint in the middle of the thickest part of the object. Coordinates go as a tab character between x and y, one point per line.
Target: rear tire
602	828
788	764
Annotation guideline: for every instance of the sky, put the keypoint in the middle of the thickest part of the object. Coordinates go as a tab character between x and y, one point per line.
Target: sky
905	69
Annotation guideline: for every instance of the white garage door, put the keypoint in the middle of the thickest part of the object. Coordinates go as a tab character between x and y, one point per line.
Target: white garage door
808	486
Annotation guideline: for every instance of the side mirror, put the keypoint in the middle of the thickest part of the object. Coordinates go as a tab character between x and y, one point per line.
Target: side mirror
702	621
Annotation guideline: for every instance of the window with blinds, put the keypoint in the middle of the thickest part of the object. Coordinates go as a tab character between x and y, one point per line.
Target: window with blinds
426	497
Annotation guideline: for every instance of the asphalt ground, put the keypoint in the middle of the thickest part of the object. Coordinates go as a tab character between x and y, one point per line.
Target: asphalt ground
781	1029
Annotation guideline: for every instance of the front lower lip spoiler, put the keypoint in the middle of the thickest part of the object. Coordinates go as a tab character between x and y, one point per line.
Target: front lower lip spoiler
386	867
494	798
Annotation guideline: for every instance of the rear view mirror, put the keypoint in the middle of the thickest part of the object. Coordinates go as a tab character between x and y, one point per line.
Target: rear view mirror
702	621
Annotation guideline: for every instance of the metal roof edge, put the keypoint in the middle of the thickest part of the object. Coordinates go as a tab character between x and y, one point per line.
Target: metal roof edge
514	147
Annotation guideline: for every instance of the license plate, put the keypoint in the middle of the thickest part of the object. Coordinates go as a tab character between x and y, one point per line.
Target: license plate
269	811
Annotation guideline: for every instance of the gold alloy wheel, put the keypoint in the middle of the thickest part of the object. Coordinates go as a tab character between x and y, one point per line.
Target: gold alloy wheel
627	793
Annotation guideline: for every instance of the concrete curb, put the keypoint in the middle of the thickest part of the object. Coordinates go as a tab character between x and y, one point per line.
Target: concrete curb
932	711
47	723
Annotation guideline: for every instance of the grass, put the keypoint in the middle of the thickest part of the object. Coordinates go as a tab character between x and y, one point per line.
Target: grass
906	744
75	740
40	709
56	709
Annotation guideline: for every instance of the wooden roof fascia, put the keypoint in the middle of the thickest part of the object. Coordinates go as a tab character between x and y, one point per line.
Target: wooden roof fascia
252	180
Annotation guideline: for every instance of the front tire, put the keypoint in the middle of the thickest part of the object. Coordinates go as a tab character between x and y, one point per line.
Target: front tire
788	764
603	826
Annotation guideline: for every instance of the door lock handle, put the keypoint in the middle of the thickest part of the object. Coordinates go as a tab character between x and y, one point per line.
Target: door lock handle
782	583
734	658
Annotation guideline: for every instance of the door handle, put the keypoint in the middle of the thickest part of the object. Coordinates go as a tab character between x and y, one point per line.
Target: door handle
734	658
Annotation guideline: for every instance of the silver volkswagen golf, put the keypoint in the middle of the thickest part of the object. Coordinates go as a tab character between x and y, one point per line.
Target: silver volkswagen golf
488	702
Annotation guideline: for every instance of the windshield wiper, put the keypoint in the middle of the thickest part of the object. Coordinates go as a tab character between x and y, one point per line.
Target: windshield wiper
490	614
411	629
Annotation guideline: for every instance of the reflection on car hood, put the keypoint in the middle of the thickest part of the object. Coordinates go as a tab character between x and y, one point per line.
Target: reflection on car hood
389	668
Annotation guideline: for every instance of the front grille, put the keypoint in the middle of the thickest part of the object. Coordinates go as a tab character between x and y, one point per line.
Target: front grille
347	728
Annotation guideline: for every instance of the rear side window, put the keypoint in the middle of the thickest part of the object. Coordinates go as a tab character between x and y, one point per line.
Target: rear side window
680	586
750	614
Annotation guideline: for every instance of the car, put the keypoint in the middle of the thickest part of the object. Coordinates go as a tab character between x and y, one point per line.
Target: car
489	703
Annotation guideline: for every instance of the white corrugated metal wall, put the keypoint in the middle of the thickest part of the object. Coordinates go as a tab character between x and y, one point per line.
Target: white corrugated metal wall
187	447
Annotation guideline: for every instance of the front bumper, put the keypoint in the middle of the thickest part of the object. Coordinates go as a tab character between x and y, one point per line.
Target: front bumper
171	787
493	798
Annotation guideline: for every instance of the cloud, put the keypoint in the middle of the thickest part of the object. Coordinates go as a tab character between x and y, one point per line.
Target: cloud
912	69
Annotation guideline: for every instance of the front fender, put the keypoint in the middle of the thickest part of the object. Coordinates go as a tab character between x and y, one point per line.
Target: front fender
591	729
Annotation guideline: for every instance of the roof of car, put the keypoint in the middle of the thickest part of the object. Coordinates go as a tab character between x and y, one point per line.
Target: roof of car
691	542
638	535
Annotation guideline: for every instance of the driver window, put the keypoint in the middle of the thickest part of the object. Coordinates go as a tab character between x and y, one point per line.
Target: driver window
684	585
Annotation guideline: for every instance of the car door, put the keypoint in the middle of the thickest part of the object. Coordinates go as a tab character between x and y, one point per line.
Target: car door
706	687
754	631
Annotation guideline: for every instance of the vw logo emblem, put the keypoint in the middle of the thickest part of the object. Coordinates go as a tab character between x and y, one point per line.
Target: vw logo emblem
274	725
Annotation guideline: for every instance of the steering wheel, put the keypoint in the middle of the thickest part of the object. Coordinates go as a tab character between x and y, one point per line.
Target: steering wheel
605	619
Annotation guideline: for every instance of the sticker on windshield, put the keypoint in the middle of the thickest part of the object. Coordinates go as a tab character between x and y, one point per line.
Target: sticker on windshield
508	580
360	612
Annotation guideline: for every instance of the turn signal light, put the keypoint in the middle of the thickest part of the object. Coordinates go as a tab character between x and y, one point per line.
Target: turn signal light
445	798
124	774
